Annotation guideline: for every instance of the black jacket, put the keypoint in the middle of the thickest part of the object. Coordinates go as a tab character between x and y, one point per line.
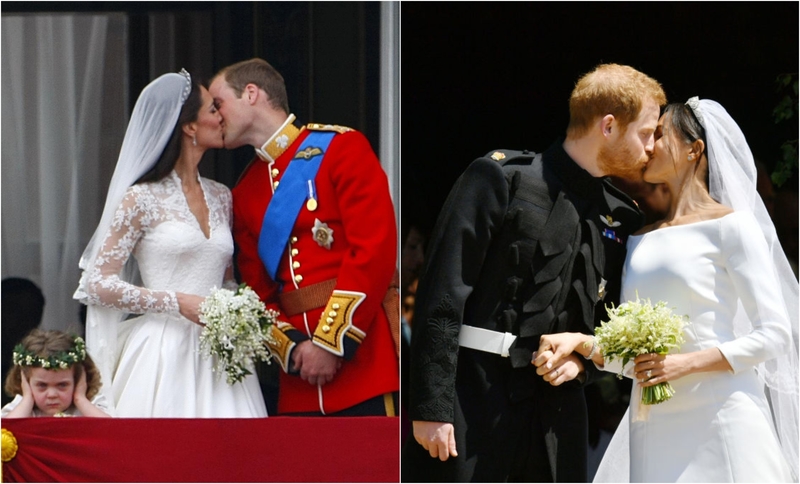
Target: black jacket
523	245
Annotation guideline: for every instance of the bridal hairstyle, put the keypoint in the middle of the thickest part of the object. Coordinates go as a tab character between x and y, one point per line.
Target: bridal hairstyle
610	89
680	119
732	180
166	162
151	126
259	72
46	344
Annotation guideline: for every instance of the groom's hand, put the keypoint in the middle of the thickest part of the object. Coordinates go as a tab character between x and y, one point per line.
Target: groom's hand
566	369
438	438
316	366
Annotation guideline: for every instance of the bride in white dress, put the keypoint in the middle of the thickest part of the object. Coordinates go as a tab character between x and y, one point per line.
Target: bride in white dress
176	225
715	258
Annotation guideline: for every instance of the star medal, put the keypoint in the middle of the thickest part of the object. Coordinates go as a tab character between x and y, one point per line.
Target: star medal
323	234
311	204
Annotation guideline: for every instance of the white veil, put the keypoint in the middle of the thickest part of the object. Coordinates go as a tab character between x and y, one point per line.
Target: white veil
732	182
151	125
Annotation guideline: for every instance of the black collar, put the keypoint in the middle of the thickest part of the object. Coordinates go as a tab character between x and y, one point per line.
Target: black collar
572	176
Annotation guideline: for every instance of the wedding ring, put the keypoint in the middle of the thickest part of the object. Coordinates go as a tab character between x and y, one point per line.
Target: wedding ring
649	374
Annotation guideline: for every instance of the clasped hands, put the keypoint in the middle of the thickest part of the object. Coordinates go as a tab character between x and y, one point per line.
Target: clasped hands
555	360
316	365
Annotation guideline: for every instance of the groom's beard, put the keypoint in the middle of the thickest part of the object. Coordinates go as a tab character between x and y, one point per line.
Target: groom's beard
619	161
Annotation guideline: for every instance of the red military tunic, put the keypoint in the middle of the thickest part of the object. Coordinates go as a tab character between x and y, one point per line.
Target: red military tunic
348	234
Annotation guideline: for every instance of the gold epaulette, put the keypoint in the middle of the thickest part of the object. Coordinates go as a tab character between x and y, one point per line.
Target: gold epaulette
328	127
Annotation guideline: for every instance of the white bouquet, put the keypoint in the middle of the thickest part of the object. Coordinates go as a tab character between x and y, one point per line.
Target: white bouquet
636	328
237	324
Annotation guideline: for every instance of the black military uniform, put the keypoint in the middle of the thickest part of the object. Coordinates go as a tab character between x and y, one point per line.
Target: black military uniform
526	244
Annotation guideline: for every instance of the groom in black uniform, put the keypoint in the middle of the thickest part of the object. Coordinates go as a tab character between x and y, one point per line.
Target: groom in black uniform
526	244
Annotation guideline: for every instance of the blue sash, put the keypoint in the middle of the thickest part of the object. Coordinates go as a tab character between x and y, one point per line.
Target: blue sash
289	197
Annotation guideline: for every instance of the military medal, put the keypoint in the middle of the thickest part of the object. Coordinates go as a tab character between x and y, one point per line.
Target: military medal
311	204
323	234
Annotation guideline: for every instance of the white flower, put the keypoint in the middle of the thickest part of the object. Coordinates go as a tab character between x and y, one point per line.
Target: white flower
637	327
237	324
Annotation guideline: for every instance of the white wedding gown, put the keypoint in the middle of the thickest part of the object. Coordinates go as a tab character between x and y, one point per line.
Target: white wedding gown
718	426
159	371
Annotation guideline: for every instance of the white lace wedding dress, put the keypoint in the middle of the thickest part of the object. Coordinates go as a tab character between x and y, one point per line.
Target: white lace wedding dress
718	426
159	371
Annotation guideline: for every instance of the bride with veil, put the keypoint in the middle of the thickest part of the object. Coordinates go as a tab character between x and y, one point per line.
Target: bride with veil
715	257
163	243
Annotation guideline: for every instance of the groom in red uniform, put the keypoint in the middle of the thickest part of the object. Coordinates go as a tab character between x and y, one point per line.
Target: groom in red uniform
317	240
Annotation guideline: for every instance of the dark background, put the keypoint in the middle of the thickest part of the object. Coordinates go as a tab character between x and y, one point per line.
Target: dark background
481	76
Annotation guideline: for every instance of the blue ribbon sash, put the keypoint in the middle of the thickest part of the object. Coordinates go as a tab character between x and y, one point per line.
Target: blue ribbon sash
287	201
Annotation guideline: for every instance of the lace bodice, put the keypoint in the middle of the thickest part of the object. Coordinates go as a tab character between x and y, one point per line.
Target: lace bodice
155	224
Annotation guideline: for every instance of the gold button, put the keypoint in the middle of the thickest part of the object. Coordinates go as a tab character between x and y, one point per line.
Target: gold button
295	265
275	184
298	278
332	314
335	306
326	329
294	240
295	252
275	172
330	320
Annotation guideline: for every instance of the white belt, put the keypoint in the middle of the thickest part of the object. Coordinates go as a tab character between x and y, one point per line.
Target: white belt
485	340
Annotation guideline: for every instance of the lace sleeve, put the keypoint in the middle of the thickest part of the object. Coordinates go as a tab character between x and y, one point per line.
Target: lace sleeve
105	287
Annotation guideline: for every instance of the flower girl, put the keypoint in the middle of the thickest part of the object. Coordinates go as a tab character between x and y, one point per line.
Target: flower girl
53	376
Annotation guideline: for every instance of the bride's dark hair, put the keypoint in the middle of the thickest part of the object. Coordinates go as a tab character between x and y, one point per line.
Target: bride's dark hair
686	126
166	162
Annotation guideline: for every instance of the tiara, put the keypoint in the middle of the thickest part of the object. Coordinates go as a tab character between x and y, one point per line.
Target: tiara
188	88
694	103
60	361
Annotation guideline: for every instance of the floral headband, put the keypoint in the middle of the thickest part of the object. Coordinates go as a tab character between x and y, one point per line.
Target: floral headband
62	360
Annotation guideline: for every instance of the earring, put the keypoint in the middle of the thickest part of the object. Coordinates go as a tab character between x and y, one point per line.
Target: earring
691	157
194	140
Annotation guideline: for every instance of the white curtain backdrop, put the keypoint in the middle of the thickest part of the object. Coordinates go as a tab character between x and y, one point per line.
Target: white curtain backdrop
63	91
390	101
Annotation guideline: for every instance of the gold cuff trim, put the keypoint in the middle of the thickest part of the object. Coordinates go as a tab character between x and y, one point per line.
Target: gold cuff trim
388	403
281	345
355	336
337	320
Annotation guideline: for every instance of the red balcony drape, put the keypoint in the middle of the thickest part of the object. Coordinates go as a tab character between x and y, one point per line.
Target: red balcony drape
275	449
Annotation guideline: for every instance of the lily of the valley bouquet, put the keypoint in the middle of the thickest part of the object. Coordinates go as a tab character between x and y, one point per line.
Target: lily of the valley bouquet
237	324
638	327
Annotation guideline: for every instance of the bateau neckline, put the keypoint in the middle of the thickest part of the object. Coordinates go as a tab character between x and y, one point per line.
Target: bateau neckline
693	224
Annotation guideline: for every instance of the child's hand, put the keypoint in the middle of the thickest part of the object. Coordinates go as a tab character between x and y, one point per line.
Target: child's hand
27	393
86	407
80	389
25	407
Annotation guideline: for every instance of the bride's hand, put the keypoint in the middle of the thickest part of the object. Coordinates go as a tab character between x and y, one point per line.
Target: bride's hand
555	347
189	305
661	368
